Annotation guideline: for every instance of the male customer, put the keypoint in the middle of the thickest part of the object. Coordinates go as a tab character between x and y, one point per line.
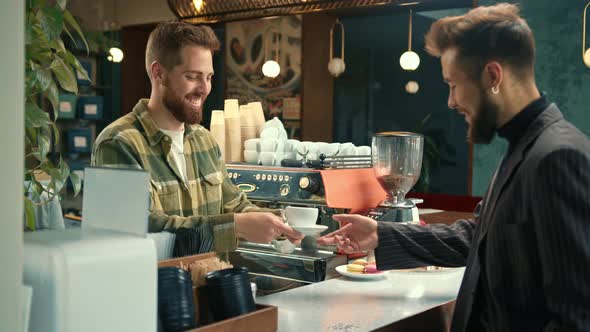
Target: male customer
527	254
190	188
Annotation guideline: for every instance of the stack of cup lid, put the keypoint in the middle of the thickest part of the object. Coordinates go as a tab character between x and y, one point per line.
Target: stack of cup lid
217	128
229	292
233	137
176	309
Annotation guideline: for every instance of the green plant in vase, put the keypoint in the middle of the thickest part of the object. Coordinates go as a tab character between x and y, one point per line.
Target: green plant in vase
49	66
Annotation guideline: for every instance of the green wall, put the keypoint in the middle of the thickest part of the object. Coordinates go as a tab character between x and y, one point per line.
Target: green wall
369	96
557	26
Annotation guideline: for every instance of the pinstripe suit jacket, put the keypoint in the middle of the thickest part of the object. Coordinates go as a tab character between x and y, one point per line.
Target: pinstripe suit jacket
528	251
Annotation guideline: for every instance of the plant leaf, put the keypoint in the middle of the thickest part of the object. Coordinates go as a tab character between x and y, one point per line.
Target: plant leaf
72	21
76	182
52	21
29	31
42	75
64	169
70	35
62	4
35	117
52	93
37	189
57	179
72	60
29	214
55	131
65	75
44	145
58	45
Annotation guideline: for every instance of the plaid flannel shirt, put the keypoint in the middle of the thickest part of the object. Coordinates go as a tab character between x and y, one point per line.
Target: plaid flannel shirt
206	202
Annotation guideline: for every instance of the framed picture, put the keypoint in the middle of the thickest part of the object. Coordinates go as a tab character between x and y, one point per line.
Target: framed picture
249	45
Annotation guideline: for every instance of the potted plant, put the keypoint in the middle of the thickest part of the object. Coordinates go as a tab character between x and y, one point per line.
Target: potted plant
49	66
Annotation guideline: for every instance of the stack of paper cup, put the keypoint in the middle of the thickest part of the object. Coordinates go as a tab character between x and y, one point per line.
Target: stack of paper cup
258	116
248	129
218	129
233	137
231	108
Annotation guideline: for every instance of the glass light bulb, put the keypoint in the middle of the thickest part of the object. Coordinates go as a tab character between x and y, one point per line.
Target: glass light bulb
409	60
587	57
412	87
116	54
271	69
198	5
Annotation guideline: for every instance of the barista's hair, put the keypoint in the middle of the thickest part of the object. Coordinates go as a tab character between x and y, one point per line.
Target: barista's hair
168	38
494	33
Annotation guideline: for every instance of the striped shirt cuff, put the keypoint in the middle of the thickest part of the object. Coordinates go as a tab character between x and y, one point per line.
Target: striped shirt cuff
387	245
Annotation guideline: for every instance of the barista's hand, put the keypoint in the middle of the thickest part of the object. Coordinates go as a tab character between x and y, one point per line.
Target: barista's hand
359	234
263	227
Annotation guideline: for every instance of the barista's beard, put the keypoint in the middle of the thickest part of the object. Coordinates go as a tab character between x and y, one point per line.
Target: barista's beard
175	104
483	124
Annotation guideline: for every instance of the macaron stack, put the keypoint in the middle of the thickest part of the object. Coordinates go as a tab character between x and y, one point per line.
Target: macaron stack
362	266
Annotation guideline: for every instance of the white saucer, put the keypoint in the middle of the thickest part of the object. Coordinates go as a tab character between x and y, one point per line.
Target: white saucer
356	275
310	230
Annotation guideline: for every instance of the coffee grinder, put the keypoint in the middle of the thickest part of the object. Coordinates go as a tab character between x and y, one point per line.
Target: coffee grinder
397	161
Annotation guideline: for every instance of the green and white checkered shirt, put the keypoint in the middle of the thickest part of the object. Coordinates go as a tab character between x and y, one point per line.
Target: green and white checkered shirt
206	202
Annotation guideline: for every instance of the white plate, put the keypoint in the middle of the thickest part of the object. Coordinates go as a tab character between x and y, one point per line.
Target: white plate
366	276
310	230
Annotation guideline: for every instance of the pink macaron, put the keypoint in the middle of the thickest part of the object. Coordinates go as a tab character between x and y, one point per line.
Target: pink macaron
371	268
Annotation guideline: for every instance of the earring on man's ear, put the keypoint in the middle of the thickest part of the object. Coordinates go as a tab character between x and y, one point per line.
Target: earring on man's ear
495	90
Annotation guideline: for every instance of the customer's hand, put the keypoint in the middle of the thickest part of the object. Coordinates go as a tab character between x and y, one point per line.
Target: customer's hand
263	227
359	234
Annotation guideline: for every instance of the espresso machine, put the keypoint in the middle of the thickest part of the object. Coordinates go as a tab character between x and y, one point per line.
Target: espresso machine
278	187
397	161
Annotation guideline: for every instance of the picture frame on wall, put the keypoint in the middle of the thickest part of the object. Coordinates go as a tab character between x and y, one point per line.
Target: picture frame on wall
249	45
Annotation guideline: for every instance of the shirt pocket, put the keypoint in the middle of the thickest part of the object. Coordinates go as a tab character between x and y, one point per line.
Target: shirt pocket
164	198
213	192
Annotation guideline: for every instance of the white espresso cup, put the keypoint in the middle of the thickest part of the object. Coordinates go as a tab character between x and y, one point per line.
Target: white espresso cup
267	158
269	145
251	157
252	144
301	216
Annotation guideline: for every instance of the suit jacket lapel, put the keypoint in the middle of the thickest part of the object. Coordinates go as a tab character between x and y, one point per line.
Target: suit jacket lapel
546	118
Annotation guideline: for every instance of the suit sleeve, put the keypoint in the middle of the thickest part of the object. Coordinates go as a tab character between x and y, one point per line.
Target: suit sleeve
562	226
114	153
403	246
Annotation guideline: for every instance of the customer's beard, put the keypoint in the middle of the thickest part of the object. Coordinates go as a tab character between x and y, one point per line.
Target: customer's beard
483	125
181	113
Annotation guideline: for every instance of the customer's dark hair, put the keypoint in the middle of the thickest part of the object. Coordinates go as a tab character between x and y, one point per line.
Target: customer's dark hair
484	34
168	38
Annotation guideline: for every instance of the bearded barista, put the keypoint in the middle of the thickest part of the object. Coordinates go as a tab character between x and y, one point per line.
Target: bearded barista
190	188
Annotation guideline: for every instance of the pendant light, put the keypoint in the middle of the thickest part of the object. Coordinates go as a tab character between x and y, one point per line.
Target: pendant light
271	68
409	60
585	51
198	5
336	66
115	54
412	87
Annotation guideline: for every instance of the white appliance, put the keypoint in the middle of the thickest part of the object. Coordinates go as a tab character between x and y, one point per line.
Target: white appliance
102	276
